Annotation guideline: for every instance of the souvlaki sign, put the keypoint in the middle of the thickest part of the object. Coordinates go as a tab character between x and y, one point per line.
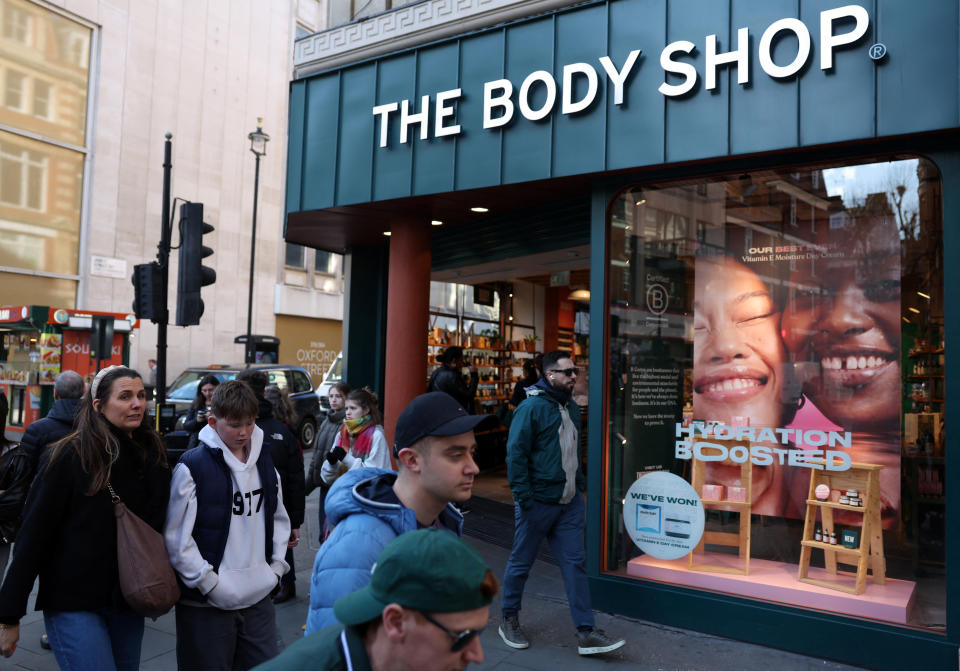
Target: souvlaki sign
540	93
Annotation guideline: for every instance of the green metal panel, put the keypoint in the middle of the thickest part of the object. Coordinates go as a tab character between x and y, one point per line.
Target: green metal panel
763	114
319	179
477	161
365	317
914	89
917	85
838	104
635	128
578	139
396	81
295	133
527	144
358	89
433	160
696	124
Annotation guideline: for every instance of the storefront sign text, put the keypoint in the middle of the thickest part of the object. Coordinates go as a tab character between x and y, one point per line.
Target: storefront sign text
539	93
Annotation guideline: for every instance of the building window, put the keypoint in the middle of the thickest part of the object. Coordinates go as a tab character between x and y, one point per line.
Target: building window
13	93
41	99
746	374
327	263
22	177
293	256
16	24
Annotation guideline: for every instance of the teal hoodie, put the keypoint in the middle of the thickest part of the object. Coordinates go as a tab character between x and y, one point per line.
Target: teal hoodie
534	459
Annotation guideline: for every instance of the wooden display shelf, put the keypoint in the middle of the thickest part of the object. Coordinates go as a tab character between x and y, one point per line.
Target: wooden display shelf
740	539
865	478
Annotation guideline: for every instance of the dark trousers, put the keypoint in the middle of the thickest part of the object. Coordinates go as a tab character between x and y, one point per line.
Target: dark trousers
210	639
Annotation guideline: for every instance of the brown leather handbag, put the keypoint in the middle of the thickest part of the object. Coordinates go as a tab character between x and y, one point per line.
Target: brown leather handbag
147	580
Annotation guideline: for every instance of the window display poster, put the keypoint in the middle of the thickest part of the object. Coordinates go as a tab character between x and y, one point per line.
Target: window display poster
663	515
797	348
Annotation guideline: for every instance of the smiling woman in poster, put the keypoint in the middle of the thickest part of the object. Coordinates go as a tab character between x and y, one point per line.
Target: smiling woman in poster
842	328
738	368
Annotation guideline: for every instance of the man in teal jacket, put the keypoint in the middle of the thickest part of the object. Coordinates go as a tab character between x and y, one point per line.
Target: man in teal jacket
543	466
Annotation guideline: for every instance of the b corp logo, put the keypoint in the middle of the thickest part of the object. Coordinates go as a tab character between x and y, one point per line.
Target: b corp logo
657	298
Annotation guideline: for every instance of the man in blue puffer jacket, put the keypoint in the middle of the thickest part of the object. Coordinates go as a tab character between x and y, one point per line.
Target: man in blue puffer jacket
369	507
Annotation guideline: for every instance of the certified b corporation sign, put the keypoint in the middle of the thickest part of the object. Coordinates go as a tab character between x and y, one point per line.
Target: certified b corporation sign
663	515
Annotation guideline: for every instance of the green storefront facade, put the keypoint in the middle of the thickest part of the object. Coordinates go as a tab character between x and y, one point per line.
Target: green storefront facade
768	133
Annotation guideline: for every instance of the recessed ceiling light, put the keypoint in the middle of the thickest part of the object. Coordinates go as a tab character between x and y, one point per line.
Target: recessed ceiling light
914	310
923	295
436	222
479	210
387	233
641	201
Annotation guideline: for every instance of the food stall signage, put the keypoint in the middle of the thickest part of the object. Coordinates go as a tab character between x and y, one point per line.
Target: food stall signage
14	314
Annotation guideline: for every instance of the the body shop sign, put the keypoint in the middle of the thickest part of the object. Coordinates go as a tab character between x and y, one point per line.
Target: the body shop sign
540	92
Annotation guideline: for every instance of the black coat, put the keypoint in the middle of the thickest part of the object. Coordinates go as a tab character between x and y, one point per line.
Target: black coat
288	460
44	432
69	538
451	382
16	474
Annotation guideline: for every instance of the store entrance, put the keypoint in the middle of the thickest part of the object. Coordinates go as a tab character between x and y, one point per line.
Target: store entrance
505	315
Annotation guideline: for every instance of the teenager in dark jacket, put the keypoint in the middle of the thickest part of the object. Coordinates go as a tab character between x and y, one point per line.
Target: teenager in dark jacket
288	460
69	532
15	475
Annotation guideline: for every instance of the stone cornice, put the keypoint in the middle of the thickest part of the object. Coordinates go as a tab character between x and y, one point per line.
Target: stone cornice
407	26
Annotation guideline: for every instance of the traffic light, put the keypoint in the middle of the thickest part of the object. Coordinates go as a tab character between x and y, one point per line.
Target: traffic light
193	274
147	294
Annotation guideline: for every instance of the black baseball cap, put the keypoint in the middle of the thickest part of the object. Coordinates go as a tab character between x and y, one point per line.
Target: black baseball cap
434	414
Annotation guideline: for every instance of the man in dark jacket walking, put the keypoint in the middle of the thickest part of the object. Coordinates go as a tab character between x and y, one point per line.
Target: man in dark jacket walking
543	466
447	378
288	460
67	392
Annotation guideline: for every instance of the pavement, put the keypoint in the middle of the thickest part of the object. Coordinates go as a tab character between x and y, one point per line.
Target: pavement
545	619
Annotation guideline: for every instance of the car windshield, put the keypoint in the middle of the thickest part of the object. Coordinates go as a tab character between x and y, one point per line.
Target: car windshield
184	388
334	374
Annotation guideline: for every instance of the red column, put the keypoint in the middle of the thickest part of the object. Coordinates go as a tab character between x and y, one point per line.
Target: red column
408	301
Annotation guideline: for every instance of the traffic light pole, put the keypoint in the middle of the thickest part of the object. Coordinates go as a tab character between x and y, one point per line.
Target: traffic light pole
163	258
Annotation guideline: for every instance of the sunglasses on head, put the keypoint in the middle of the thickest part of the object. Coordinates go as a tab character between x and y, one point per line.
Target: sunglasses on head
569	372
461	639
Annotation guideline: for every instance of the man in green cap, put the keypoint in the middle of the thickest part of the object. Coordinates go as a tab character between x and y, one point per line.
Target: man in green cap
426	603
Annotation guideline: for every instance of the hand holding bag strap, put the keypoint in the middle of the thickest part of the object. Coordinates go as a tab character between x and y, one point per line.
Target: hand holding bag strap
147	581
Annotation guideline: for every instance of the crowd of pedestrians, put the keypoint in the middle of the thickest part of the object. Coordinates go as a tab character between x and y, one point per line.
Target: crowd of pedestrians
391	580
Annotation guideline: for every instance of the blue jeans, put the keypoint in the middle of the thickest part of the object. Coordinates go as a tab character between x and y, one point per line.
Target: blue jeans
102	640
562	525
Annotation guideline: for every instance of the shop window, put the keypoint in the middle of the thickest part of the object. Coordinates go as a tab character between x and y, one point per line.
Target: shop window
775	394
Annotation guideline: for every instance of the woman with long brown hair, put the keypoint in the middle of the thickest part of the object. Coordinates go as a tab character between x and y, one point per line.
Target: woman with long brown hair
69	536
361	441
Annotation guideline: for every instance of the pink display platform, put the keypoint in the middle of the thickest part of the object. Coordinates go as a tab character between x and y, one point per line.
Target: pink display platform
776	581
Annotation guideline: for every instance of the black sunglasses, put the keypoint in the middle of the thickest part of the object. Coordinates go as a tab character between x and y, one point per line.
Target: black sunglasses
460	639
569	372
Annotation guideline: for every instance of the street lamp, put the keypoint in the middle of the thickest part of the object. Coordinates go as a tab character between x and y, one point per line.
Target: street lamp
258	145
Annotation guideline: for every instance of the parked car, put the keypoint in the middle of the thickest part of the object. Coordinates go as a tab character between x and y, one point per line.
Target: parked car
294	379
333	375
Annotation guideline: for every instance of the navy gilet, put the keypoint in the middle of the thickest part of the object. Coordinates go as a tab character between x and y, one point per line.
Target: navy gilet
215	504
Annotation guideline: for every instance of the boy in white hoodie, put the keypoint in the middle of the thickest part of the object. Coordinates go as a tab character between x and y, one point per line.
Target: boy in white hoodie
226	534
